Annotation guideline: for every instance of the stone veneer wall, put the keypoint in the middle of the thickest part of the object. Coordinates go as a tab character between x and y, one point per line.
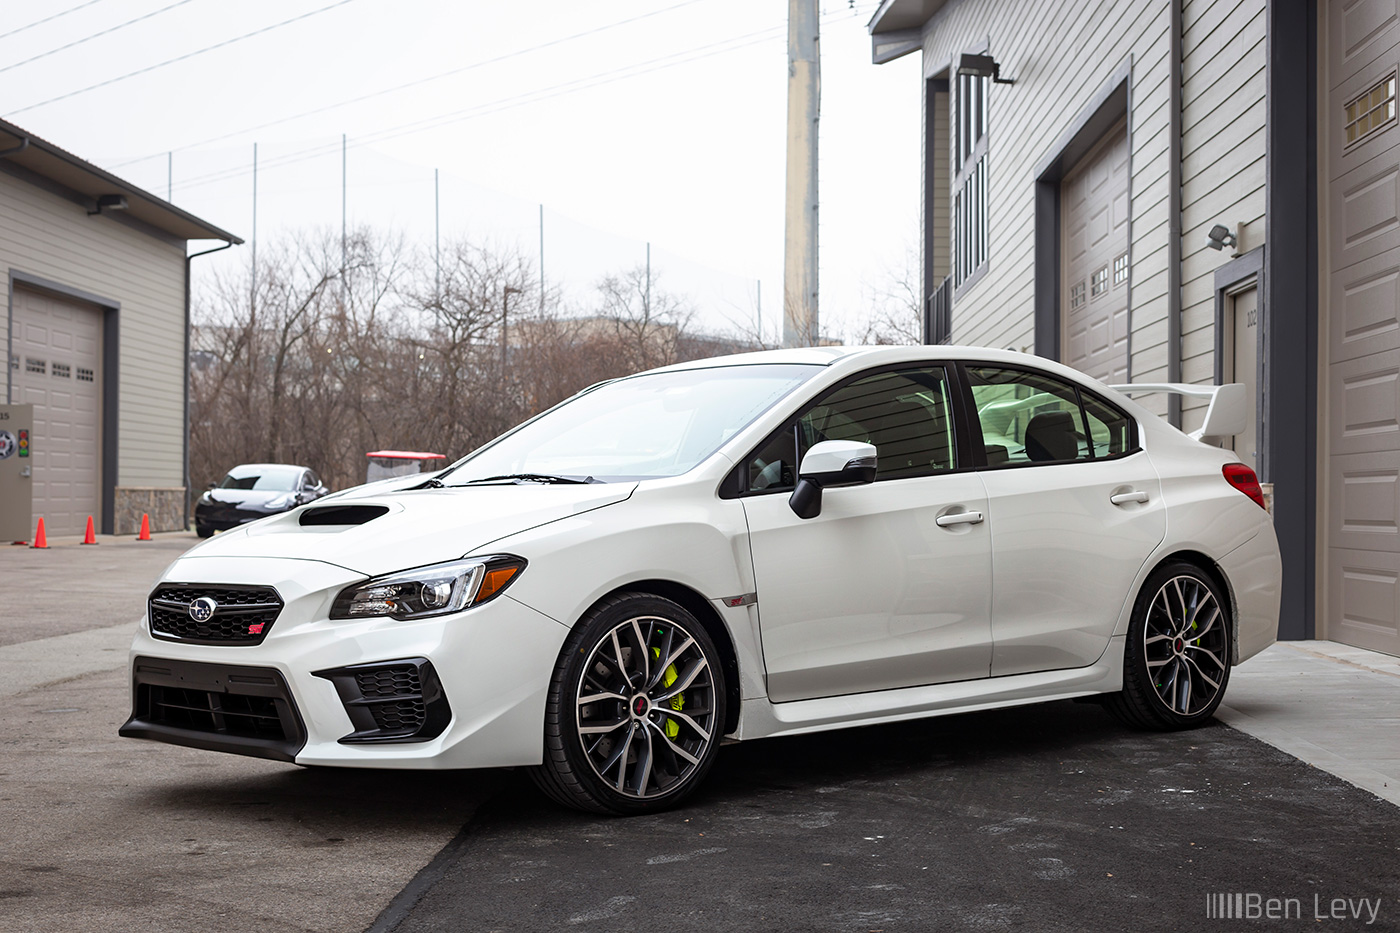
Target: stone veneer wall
165	506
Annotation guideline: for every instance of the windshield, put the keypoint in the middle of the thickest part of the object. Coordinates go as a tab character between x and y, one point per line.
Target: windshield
271	478
641	427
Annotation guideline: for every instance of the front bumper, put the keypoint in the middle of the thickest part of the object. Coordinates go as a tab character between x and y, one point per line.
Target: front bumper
490	667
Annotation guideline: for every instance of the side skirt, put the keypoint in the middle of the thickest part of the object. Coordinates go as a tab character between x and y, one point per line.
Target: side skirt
761	718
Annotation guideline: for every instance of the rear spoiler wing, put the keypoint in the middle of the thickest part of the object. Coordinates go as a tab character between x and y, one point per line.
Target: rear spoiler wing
1229	410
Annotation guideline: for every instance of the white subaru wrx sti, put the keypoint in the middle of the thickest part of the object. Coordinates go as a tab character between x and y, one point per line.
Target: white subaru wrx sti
759	545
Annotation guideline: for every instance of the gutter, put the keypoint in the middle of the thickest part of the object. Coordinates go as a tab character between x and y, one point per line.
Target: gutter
15	150
186	444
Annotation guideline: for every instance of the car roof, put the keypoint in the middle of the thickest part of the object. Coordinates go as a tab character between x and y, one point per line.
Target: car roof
870	356
262	466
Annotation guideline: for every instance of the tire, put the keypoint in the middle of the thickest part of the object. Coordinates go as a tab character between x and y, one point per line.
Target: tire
1176	663
618	753
204	531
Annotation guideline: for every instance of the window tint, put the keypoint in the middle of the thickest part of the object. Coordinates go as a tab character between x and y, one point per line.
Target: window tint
1028	417
905	415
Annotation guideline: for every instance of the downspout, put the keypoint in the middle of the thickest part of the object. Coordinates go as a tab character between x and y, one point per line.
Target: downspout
10	304
188	490
1174	217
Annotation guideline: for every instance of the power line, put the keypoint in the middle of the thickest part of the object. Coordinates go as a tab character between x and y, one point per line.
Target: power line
420	81
96	35
49	19
508	103
180	58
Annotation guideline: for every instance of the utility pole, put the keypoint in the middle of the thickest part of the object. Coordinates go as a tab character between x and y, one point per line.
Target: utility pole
343	201
646	301
541	257
437	237
800	321
505	311
253	287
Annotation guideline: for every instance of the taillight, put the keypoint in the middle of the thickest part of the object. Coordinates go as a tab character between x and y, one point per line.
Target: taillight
1243	479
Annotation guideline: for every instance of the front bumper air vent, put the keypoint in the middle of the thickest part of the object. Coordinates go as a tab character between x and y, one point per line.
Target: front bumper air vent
391	701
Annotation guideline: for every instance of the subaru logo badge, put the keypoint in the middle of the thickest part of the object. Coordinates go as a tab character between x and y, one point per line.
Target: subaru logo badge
202	609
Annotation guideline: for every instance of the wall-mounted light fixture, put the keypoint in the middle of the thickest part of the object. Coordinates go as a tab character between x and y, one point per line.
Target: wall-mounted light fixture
1221	236
108	202
981	66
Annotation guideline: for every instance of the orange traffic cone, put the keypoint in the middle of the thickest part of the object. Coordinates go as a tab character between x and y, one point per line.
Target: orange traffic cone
40	539
91	536
145	534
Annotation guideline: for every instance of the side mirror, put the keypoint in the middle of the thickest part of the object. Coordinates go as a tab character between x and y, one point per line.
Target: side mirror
212	486
827	465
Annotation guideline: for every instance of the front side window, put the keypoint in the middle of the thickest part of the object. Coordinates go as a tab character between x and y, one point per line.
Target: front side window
906	415
1028	417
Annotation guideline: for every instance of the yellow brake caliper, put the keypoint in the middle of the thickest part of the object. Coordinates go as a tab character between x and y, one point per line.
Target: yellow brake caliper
673	728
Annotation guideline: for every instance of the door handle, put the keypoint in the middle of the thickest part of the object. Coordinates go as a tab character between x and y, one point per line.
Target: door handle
959	518
1123	498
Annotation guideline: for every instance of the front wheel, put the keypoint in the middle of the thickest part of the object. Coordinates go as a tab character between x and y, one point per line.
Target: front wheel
1177	658
635	711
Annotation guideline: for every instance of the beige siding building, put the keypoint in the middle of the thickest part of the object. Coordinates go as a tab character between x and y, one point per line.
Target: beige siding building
1078	154
96	330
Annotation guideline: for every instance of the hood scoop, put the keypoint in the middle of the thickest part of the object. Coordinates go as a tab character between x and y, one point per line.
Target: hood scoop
342	514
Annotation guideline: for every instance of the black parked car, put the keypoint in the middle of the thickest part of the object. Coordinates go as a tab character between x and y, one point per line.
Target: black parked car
252	491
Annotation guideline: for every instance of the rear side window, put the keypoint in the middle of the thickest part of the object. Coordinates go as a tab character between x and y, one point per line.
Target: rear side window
1029	417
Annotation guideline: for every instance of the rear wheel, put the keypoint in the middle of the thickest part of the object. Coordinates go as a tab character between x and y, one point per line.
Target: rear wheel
1178	652
635	710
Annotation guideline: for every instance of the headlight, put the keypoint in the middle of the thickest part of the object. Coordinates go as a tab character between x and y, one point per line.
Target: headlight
428	591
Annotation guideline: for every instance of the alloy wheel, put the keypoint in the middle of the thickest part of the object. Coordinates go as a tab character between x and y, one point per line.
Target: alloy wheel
646	707
1185	646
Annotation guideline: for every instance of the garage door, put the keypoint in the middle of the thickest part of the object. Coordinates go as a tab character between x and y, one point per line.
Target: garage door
1362	427
57	348
1094	257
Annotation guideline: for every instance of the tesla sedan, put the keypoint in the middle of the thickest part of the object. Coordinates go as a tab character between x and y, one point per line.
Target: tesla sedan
759	545
252	491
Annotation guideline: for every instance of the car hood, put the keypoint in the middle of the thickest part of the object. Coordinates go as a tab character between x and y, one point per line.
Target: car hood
410	529
252	497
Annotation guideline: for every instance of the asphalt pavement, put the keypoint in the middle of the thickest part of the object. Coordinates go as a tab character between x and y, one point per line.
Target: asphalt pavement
1038	818
1042	818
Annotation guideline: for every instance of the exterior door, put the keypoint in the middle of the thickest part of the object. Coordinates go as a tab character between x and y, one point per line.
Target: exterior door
1362	422
1243	356
57	350
873	593
1094	250
1074	514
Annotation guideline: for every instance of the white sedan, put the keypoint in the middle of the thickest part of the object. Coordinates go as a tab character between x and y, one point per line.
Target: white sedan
758	545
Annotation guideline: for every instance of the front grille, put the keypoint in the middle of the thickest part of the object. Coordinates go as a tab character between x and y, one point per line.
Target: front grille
393	701
243	616
205	711
225	707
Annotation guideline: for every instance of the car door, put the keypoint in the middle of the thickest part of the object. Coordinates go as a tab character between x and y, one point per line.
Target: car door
873	593
1076	510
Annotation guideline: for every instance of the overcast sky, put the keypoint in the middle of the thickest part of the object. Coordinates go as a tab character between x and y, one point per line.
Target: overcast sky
629	120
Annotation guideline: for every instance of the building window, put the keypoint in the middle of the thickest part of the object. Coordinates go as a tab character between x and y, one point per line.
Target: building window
1076	295
1098	283
1120	270
969	183
63	370
85	374
32	365
1372	111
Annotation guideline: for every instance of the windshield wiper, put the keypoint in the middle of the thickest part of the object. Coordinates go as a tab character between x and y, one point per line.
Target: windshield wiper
530	478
